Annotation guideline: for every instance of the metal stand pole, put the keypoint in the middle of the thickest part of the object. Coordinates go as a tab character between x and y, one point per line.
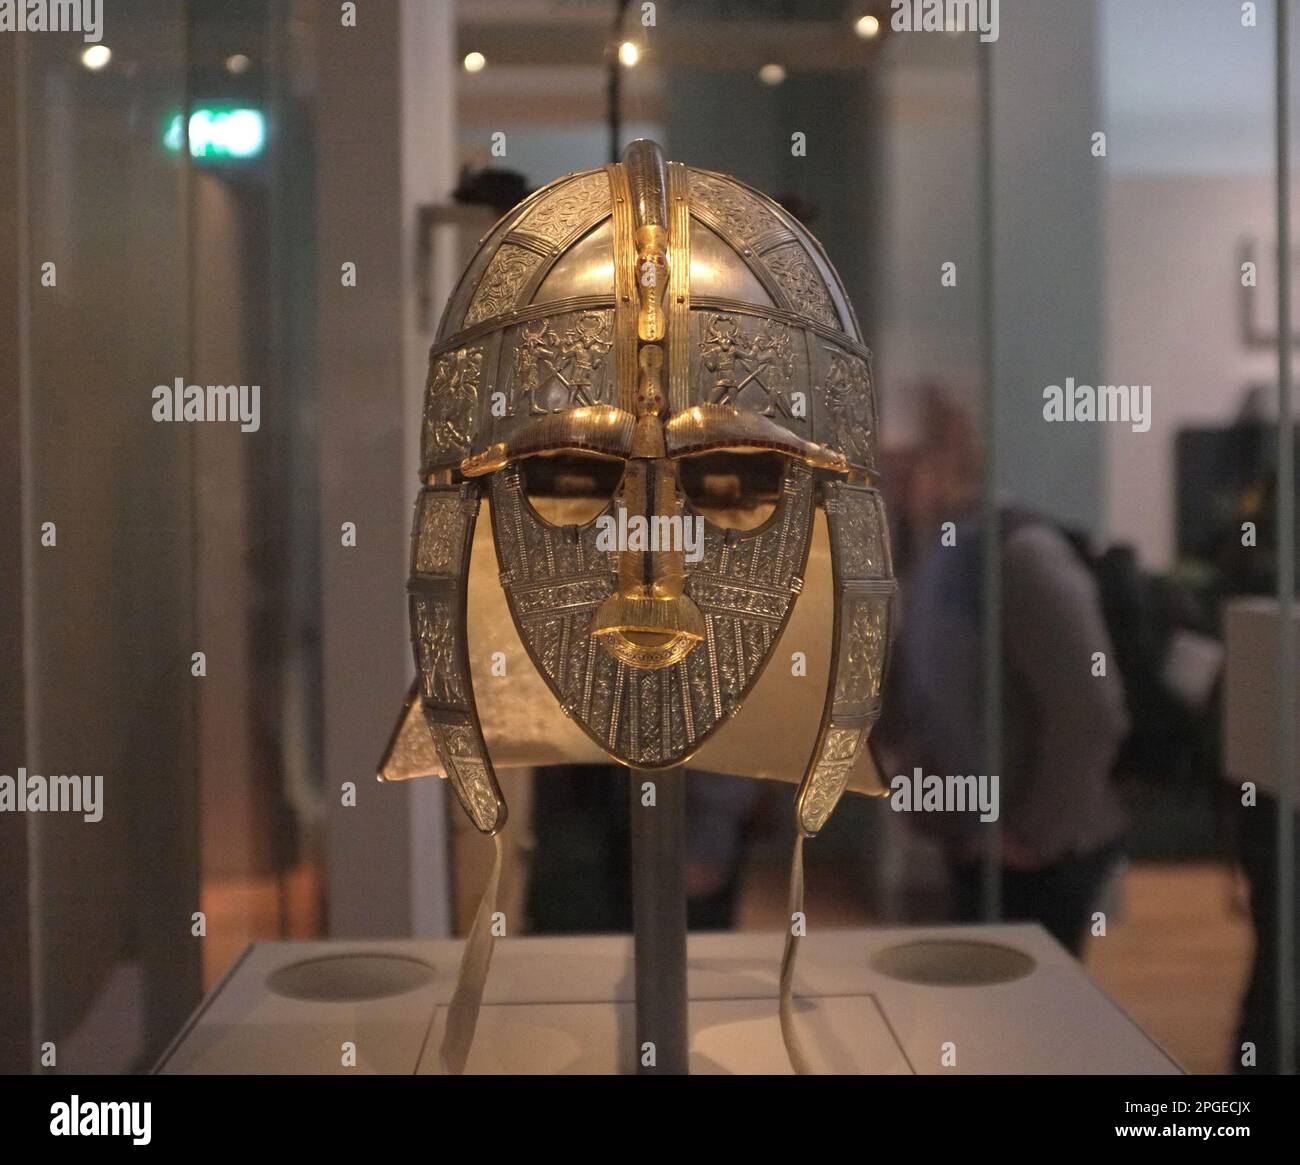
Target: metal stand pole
659	920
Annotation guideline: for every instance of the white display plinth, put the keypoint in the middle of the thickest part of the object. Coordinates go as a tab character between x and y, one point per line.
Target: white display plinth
564	1005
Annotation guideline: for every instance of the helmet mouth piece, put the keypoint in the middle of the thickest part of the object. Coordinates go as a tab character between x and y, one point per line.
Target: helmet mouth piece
648	631
646	650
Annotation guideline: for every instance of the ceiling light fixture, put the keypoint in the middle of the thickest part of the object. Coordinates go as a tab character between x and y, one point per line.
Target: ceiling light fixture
867	27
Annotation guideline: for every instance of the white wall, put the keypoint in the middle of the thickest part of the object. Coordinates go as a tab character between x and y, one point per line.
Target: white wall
927	125
1188	112
1046	214
1173	287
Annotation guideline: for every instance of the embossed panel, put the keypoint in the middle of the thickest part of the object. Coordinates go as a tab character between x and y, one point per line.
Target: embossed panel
830	776
460	748
441	539
558	216
498	292
802	283
864	586
757	364
450	403
864	640
433	628
845	396
860	534
438	538
560	362
740	215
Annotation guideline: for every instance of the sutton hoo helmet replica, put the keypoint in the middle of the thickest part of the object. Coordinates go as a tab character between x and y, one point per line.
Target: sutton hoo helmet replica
662	339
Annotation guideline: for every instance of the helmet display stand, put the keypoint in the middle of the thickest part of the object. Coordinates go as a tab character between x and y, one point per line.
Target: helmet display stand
657	802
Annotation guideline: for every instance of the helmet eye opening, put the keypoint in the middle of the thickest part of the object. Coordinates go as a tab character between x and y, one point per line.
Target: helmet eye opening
733	491
570	489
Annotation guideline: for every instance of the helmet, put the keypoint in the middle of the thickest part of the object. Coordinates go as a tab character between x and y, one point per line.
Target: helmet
660	342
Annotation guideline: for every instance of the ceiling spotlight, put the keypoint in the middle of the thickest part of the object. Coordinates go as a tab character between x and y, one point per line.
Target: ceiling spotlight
474	62
628	53
866	27
96	56
772	74
238	63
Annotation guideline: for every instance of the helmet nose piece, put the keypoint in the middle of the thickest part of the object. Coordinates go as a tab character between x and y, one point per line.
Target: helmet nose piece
649	622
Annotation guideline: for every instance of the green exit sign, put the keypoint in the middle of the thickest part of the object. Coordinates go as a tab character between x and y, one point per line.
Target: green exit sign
219	134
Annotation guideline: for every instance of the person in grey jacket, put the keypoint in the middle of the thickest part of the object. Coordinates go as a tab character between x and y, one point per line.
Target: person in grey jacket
1063	716
1062	724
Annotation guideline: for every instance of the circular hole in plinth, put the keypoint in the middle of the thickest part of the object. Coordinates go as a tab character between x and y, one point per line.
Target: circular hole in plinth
953	963
349	978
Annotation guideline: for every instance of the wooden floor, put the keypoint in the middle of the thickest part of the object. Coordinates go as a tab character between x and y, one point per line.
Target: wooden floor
1178	960
244	910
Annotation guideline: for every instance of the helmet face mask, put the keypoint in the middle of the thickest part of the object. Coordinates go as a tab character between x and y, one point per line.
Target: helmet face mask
670	353
649	686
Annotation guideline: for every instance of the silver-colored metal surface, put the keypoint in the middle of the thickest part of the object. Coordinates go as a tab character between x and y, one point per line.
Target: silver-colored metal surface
745	585
863	592
647	313
440	545
768	327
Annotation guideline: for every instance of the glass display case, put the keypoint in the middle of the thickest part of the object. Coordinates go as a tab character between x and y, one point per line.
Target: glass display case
1063	232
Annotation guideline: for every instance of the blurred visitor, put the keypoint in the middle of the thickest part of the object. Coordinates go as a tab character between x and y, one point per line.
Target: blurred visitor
1062	725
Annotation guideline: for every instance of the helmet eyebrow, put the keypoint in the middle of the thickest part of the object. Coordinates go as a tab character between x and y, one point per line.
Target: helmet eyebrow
708	427
601	429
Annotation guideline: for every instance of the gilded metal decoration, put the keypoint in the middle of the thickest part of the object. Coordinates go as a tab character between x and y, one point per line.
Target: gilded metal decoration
505	275
864	547
862	577
567	208
846	394
864	642
583	328
433	636
443	533
799	279
743	589
451	397
730	208
437	533
830	776
750	367
558	366
460	746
